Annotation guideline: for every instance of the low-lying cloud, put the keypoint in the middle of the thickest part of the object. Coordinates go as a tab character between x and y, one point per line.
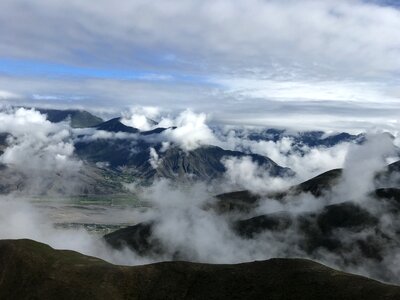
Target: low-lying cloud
186	223
39	150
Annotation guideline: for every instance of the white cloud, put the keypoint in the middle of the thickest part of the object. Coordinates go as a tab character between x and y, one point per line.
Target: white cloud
154	158
191	132
243	173
361	165
112	96
141	117
6	95
40	150
241	34
312	90
306	161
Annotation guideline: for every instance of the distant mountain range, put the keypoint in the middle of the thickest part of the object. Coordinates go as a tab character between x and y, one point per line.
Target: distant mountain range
133	158
204	163
299	139
109	162
307	138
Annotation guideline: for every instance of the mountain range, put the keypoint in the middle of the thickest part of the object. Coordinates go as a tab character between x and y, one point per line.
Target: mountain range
109	162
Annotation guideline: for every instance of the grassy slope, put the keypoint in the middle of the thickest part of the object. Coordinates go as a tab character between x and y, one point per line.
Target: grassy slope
31	270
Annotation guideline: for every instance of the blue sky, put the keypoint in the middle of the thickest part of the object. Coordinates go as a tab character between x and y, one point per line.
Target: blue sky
28	68
327	64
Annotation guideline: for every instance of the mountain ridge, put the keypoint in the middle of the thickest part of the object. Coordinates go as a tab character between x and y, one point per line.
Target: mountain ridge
31	270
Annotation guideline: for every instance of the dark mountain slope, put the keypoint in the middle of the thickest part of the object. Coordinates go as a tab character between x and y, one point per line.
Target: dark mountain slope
137	237
242	201
79	118
387	184
31	270
116	152
89	180
245	200
155	131
115	125
203	163
206	162
336	216
319	184
320	230
317	231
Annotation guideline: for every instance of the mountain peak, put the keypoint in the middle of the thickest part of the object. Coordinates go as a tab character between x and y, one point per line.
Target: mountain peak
79	118
115	125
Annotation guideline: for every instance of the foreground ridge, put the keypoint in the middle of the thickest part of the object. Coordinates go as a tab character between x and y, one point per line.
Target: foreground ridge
32	270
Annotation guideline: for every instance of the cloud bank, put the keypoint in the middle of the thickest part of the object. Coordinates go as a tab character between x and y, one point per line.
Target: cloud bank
307	64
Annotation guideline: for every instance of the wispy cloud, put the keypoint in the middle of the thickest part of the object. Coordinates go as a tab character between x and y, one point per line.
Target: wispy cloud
6	95
217	35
